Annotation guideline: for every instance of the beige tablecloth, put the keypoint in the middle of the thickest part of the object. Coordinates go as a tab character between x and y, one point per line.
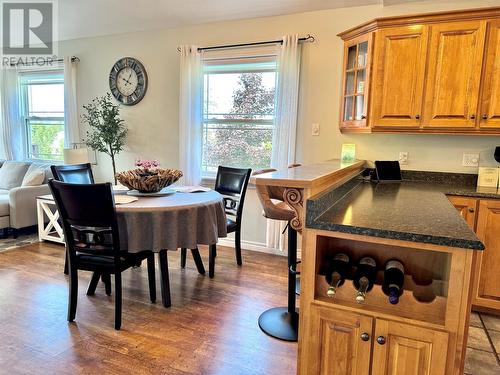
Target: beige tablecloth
170	222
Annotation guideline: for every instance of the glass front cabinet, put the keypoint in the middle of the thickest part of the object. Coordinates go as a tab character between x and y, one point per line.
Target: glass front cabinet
356	74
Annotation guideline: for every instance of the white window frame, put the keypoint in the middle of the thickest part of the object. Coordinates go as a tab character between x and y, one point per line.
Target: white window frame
24	107
252	55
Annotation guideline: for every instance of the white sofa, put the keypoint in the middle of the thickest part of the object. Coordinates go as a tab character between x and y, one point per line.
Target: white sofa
20	184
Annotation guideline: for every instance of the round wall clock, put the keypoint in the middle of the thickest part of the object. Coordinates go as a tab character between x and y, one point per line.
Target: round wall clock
128	81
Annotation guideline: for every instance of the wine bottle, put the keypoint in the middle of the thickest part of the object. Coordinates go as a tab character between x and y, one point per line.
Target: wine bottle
336	273
394	278
364	277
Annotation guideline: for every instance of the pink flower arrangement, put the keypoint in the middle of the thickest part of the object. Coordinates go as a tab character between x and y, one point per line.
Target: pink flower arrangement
147	164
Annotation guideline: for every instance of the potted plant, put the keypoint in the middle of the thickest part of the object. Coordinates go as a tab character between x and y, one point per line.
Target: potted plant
107	132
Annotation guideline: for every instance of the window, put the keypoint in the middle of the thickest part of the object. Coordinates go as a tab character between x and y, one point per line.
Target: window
42	105
238	113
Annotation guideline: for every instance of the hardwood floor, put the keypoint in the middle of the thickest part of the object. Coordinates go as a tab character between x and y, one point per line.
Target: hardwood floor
211	327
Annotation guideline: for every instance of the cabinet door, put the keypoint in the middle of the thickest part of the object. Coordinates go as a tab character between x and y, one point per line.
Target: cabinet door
335	345
454	73
490	103
467	208
355	86
398	73
487	285
407	349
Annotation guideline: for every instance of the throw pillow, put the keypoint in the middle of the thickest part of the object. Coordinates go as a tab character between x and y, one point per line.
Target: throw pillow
12	174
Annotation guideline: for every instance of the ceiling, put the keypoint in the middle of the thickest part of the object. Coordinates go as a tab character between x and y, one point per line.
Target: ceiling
84	18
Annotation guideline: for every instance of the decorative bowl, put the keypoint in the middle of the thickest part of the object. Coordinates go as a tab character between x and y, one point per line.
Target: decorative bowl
148	180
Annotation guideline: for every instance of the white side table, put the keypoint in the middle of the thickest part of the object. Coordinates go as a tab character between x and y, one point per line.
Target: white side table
51	231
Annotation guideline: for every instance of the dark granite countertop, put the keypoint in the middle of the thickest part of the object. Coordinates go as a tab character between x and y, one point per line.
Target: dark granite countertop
414	210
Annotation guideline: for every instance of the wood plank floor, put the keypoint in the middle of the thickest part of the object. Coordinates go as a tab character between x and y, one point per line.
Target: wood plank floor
211	327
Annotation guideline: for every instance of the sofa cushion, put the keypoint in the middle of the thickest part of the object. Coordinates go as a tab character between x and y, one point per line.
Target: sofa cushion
4	205
35	176
12	174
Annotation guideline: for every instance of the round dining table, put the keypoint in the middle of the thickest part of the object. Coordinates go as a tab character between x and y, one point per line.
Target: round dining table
170	222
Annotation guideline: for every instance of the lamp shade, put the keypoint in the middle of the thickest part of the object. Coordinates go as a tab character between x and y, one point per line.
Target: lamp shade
76	155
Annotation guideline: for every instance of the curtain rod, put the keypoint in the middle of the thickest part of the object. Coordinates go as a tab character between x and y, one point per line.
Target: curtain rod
74	59
308	38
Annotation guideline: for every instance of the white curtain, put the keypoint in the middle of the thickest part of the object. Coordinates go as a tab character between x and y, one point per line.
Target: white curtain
10	118
71	128
190	115
284	137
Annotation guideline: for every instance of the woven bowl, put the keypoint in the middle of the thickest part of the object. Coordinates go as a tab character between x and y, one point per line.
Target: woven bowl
148	181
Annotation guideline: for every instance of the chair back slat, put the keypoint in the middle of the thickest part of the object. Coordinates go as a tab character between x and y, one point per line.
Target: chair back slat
74	173
89	217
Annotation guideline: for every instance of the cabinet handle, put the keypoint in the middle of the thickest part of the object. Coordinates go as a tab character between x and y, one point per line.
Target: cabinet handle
381	340
365	336
471	210
472	117
485	117
417	117
363	117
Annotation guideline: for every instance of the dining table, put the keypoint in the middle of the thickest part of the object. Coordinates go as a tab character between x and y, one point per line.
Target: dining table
170	222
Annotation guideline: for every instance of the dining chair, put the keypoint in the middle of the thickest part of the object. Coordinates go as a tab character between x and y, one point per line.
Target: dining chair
75	174
232	184
92	240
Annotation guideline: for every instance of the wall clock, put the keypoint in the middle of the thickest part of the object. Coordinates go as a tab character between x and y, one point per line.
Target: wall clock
128	81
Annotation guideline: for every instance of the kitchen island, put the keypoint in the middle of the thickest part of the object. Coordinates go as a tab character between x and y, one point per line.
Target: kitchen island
414	222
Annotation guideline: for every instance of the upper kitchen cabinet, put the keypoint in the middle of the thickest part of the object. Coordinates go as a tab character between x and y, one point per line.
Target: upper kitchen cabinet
454	74
356	71
431	73
398	82
490	103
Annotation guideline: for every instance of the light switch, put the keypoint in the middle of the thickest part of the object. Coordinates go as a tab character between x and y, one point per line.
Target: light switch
315	129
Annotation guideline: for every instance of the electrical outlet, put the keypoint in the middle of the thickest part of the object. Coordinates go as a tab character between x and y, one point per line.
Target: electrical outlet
470	160
315	129
403	157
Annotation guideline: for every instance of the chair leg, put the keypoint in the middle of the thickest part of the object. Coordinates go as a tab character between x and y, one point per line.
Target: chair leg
73	294
152	277
198	261
66	272
165	282
237	246
118	300
106	279
211	260
93	283
183	257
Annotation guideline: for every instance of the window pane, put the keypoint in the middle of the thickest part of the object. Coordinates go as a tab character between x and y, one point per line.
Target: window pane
46	100
46	140
238	115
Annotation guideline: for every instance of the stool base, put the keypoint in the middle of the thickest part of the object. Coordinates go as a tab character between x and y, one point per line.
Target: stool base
279	323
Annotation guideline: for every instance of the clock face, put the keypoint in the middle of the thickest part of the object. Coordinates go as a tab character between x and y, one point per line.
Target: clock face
128	81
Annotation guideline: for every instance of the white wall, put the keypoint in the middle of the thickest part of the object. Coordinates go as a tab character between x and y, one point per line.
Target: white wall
153	122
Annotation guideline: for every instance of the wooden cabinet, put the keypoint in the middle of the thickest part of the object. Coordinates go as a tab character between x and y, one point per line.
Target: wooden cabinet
467	207
348	343
355	88
490	104
454	74
435	73
487	276
399	76
337	346
405	349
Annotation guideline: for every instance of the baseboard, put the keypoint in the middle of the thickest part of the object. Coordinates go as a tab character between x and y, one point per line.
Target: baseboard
254	246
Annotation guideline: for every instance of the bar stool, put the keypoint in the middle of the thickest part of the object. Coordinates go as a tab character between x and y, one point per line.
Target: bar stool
281	322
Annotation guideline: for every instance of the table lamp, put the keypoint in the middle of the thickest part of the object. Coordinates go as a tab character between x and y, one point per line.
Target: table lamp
76	155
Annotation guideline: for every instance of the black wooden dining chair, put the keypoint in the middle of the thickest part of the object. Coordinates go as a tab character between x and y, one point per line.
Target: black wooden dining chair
76	174
73	173
232	184
92	240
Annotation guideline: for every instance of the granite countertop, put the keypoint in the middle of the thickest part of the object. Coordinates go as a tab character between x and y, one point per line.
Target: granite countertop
414	210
